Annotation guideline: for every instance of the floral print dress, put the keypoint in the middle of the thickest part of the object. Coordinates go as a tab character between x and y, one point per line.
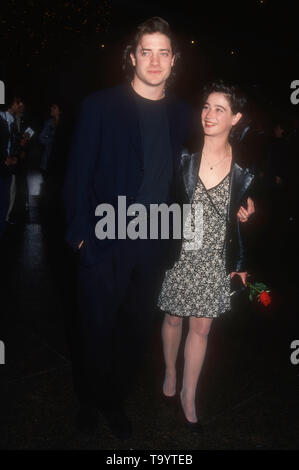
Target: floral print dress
198	284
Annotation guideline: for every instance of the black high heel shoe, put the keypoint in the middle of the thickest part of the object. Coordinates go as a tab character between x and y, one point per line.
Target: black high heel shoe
193	427
170	400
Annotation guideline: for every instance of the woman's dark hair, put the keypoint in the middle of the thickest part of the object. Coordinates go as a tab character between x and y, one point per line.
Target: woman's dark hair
150	26
238	103
236	98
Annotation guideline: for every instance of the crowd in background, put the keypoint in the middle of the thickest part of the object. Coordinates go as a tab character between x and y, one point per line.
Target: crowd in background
26	144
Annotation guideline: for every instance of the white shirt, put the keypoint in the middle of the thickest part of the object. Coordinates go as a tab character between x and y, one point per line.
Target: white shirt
9	119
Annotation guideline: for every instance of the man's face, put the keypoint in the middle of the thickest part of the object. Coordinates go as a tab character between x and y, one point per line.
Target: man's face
153	60
278	131
16	106
21	107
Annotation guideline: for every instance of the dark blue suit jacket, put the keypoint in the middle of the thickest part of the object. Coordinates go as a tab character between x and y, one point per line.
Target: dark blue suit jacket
106	161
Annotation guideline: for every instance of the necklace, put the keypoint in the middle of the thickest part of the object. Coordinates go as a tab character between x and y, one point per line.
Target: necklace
212	165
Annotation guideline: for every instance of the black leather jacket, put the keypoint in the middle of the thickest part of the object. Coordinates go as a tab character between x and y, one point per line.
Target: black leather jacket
240	181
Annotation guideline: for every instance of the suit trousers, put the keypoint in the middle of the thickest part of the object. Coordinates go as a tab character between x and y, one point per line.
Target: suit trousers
5	184
117	300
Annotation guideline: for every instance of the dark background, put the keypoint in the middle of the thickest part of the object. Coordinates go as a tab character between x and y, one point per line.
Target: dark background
53	49
249	390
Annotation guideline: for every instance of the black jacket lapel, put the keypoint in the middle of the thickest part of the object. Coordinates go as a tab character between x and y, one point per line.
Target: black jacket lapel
172	123
133	123
240	181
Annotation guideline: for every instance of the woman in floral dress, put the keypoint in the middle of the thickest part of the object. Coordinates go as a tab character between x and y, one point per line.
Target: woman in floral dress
198	286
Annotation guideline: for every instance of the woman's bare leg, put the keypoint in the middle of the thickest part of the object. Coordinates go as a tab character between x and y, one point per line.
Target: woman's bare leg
195	350
171	336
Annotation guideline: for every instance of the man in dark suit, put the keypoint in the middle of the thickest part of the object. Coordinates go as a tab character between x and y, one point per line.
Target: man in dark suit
18	205
127	142
8	156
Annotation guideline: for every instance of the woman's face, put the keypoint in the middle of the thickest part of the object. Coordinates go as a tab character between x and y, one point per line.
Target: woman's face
216	116
54	110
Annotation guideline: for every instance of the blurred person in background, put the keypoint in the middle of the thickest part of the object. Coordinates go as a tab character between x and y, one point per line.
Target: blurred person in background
47	135
9	150
24	134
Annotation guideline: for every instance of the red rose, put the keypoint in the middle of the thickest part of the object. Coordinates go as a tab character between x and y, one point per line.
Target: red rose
265	298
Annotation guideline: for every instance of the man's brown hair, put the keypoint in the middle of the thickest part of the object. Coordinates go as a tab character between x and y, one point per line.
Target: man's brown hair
150	26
